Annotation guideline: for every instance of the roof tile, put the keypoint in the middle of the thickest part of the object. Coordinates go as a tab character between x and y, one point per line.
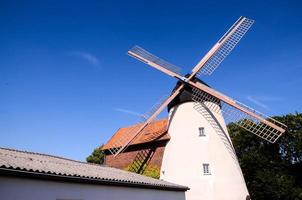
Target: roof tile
157	130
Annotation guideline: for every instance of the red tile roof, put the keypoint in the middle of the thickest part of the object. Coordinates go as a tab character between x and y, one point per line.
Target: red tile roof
155	131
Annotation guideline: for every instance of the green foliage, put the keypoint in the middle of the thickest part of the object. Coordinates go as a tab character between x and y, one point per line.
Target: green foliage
271	171
97	156
152	171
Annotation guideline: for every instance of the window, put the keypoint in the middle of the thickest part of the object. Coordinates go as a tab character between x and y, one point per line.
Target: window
201	131
206	169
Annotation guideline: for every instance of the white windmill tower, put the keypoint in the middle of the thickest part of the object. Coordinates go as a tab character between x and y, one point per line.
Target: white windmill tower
200	153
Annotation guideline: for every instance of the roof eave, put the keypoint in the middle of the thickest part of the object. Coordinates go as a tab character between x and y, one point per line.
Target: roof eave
78	179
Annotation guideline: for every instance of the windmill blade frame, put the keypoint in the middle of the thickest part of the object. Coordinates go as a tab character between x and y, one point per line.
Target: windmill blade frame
223	47
251	120
122	144
154	61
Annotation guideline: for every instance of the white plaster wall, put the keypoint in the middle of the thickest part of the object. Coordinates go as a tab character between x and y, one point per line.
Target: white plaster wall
30	189
186	152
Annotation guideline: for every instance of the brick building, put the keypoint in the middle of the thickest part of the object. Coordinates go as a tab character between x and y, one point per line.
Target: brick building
146	149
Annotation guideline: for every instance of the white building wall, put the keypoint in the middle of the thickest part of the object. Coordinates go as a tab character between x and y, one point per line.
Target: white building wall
186	152
12	188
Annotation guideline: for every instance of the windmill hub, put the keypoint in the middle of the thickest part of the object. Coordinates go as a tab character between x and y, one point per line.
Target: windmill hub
184	79
186	94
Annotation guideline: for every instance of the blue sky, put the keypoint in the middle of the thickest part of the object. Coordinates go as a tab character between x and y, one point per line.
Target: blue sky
66	83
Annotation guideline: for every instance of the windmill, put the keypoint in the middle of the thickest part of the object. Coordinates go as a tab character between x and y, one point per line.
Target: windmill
208	165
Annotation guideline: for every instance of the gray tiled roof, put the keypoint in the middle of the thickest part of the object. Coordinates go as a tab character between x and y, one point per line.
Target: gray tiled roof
35	163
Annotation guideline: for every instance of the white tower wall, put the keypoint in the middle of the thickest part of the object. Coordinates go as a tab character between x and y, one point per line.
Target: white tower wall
186	153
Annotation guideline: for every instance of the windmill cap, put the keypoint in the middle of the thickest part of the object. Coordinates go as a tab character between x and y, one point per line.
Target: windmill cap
185	95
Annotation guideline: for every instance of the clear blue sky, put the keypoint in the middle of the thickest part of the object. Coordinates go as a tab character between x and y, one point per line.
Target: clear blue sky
66	83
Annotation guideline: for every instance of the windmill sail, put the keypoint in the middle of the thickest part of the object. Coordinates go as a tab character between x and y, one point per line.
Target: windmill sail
122	143
126	137
253	121
150	59
154	108
223	47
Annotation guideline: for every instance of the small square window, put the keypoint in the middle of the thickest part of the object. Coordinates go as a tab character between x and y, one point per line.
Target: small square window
201	131
206	169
